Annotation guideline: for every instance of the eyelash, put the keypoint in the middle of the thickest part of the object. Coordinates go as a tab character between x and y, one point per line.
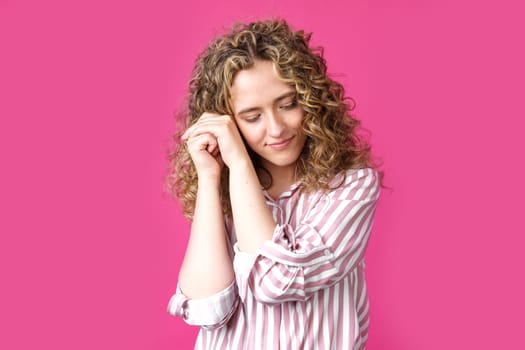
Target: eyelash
286	107
291	105
252	119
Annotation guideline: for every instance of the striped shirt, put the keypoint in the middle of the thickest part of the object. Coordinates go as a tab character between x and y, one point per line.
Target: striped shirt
304	289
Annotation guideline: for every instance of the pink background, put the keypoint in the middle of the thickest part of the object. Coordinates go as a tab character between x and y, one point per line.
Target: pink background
90	246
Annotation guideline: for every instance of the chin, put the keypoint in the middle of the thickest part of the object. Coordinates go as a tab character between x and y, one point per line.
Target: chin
283	162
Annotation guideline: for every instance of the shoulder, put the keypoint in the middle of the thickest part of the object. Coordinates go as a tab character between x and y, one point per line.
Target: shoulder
355	184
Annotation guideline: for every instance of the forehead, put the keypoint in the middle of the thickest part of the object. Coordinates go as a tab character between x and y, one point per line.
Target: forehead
257	86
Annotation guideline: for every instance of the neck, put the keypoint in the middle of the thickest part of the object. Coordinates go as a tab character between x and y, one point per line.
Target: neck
282	178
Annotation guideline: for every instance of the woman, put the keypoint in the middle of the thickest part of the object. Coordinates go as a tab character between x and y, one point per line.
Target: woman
281	192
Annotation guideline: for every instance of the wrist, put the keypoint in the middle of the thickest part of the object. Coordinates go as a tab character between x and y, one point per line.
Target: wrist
242	165
209	182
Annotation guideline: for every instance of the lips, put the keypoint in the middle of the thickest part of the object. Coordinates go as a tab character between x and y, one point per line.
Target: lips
281	144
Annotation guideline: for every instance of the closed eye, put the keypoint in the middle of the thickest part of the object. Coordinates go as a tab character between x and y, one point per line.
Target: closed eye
252	118
290	105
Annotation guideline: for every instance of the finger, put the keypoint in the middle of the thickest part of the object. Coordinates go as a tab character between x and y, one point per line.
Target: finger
202	127
186	133
208	119
203	142
203	120
215	152
191	131
208	115
212	145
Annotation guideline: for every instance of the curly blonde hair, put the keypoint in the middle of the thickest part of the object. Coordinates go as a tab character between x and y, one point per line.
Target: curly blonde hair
333	143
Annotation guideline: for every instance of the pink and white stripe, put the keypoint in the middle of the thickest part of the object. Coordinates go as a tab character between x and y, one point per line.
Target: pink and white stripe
306	288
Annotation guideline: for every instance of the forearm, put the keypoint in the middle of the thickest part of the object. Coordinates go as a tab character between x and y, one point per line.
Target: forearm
207	267
253	221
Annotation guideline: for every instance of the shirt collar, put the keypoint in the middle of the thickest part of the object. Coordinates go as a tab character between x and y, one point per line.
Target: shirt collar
286	193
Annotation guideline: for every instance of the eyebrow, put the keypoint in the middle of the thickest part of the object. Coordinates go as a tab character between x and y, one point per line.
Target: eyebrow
278	99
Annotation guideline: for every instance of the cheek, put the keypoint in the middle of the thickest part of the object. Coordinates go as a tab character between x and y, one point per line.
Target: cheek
298	121
252	135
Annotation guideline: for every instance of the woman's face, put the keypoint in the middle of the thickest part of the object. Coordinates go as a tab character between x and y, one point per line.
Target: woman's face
268	116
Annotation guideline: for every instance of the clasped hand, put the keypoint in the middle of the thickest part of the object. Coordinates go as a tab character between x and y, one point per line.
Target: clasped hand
212	141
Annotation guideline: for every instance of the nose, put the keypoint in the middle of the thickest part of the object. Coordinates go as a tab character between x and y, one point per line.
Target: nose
275	125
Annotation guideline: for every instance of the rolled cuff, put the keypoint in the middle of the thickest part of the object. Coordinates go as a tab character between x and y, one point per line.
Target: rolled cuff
210	312
282	251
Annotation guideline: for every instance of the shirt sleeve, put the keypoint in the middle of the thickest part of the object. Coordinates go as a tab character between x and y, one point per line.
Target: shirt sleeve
327	244
210	313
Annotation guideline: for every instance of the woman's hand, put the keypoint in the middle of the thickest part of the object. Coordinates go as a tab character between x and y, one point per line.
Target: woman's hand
204	152
215	137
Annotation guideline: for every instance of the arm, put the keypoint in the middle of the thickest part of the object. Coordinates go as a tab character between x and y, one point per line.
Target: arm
254	223
206	294
207	267
327	244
